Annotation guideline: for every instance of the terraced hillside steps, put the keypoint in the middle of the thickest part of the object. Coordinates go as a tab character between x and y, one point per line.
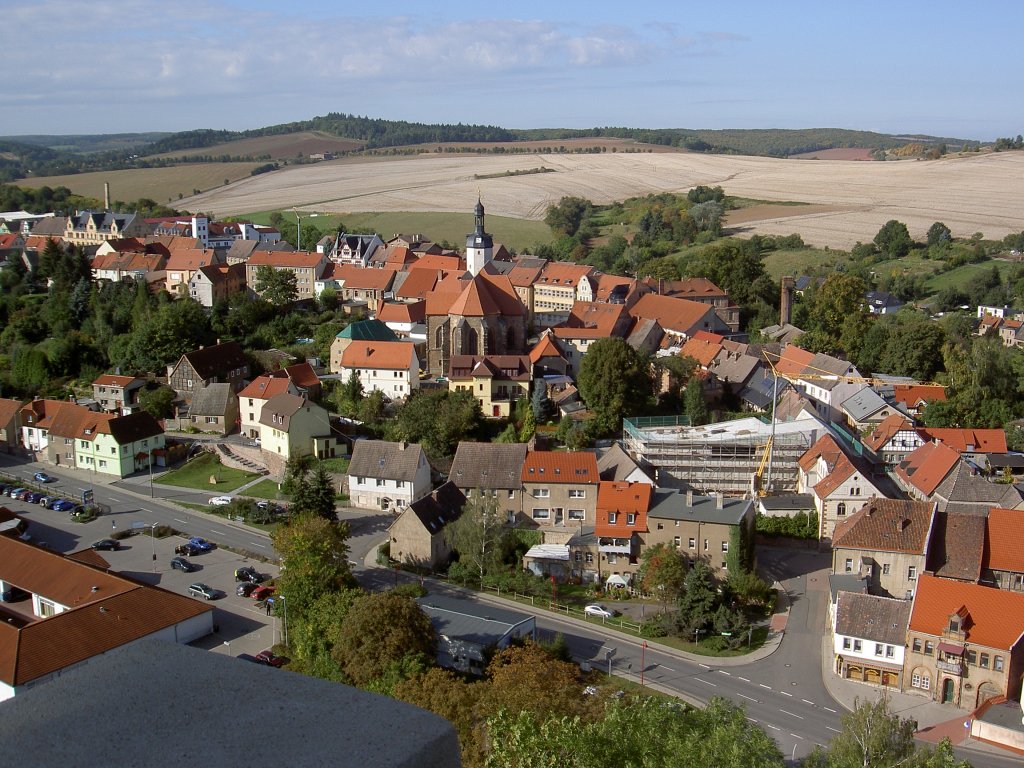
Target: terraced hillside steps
239	457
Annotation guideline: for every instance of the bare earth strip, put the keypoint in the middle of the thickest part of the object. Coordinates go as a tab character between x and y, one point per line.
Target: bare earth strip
852	200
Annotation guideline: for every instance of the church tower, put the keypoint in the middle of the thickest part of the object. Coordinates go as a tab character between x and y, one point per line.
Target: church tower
479	245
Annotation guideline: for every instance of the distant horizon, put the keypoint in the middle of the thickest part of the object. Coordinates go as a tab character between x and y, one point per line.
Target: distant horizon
131	66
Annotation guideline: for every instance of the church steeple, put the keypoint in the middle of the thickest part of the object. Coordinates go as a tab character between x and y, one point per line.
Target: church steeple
479	245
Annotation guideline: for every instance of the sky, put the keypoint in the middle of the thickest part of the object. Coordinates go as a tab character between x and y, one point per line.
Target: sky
119	66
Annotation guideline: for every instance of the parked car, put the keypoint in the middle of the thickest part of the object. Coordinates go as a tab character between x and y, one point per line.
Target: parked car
250	657
262	593
188	550
202	544
109	545
24	495
46	501
221	501
42	477
271	659
34	497
15	492
204	590
183	565
598	610
246	588
5	488
62	505
250	574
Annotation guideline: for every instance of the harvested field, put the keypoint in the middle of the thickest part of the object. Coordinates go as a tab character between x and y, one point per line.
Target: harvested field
844	153
160	184
283	147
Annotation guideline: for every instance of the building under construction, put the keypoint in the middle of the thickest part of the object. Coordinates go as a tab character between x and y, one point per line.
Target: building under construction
730	457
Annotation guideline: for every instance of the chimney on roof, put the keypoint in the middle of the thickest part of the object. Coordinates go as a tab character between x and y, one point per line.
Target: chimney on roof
903	524
871	511
402	445
106	195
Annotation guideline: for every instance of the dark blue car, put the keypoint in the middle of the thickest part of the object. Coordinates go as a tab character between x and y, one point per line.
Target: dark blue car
201	544
62	505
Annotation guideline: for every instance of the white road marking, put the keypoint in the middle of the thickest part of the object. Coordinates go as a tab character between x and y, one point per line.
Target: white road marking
786	693
829	709
179	520
797	737
798	717
751	719
115	499
703	665
707	682
744	679
664	667
773	727
834	730
765	686
805	701
257	545
748	698
219	533
725	673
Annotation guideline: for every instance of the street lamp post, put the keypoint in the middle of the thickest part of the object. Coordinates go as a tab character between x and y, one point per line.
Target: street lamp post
152	537
643	661
285	620
696	635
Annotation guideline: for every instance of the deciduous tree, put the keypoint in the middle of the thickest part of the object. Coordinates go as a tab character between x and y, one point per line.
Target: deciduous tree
662	572
277	286
438	420
614	380
381	628
894	239
477	535
314	561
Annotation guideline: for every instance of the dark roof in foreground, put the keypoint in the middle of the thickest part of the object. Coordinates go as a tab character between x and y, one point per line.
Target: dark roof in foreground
146	716
488	465
467	620
881	619
385	460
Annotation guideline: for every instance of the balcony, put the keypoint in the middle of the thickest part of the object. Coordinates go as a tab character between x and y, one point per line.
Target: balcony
615	546
953	667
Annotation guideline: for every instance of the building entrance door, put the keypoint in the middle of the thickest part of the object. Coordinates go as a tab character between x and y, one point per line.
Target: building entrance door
947	691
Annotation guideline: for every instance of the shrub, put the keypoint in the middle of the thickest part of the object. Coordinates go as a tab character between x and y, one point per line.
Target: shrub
653	628
412	589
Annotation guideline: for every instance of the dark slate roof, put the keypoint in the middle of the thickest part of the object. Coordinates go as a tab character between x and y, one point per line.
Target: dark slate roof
616	464
211	400
963	490
879	619
134	426
488	465
846	582
863	404
1012	460
438	509
386	460
217	360
758	391
793	502
957	546
283	406
672	504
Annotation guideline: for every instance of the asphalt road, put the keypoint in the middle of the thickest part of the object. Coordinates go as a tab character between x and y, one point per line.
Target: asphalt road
782	693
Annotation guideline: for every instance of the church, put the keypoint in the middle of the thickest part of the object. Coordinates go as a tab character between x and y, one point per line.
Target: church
483	317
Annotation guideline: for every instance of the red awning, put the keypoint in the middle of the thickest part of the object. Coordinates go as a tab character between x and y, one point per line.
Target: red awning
956	650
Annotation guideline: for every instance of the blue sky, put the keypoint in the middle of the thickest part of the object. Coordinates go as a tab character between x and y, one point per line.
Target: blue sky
112	66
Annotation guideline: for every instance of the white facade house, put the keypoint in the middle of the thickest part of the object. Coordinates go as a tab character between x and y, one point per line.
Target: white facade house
387	475
390	367
869	636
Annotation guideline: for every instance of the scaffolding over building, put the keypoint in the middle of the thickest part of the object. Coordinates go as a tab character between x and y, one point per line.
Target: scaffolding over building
723	457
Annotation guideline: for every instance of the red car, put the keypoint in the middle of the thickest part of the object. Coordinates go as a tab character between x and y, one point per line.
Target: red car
269	658
262	593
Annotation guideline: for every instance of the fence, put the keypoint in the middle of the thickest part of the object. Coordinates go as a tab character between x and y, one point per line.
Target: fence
568	610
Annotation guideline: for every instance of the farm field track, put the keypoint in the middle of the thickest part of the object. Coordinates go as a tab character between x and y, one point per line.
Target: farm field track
851	200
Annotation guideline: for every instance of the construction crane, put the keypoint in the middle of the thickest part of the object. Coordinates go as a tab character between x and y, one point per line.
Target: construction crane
757	487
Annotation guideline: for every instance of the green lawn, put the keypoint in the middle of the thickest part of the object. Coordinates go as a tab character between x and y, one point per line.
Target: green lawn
265	489
219	512
518	234
337	465
962	276
799	261
197	473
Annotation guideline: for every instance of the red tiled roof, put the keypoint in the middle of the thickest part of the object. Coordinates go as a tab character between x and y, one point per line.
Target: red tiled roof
676	315
401	312
362	278
438	261
887	525
265	387
387	355
623	498
189	260
8	409
560	467
704	352
285	258
418	283
110	380
690	287
913	394
1004	540
563	273
608	283
886	430
488	295
793	361
523	277
928	466
546	347
589	319
963	440
995	617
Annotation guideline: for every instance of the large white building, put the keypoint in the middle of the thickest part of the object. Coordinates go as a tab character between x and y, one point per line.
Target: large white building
390	367
386	475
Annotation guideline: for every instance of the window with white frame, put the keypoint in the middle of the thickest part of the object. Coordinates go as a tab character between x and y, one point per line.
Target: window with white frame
613	518
847	644
693	543
630	518
541	513
577	514
577	493
542	493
